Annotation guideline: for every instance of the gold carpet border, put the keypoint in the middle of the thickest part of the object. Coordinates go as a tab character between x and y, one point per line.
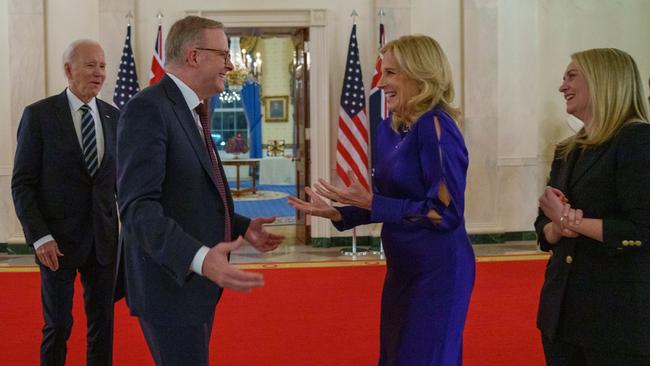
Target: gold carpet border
312	264
379	262
33	268
326	264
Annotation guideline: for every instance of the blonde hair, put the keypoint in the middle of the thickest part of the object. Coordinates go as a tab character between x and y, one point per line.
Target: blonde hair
422	59
616	94
186	33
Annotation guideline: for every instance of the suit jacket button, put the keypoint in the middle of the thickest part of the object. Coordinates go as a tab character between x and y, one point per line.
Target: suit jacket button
625	243
568	259
638	243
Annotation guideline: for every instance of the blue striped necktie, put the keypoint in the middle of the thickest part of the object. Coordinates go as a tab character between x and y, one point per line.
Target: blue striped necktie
89	140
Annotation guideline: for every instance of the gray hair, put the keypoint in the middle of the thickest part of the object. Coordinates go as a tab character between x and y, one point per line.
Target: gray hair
184	33
71	50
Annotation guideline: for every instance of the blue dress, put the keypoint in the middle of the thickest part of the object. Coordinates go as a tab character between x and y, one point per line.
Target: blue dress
430	266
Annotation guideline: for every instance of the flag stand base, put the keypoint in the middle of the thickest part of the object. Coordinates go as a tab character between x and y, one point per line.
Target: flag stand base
354	252
379	252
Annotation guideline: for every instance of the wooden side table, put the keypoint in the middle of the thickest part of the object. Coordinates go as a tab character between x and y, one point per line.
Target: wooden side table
253	164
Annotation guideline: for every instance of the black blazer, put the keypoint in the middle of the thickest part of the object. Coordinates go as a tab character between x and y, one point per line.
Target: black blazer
52	190
598	294
170	207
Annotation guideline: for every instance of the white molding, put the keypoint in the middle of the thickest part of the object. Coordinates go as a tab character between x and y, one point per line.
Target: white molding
524	160
484	228
6	170
547	158
16	239
319	118
266	18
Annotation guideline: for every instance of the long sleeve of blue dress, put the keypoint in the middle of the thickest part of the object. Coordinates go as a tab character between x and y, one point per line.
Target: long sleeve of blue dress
439	161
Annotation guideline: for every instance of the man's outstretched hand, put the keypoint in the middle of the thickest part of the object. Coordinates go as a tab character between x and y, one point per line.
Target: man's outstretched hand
217	268
261	239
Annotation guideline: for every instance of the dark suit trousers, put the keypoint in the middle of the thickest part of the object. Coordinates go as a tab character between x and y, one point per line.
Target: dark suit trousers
178	345
57	290
560	353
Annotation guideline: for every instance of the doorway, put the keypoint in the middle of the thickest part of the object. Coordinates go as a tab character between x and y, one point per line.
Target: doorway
281	75
312	87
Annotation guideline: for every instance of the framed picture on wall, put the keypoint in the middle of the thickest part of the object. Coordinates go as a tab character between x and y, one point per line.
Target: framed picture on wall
276	108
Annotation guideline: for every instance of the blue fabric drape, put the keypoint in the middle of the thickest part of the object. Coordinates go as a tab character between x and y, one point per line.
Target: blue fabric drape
215	103
250	96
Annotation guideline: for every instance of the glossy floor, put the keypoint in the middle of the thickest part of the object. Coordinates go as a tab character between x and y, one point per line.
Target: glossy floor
290	252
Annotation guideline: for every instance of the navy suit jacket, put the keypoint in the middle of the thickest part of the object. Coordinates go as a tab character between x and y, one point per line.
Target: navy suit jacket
597	294
170	207
52	190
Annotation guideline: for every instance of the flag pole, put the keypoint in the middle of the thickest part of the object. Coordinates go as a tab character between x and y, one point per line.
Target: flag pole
160	16
126	83
381	14
355	251
354	16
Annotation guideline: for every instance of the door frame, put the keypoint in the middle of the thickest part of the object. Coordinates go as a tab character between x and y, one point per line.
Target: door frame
318	133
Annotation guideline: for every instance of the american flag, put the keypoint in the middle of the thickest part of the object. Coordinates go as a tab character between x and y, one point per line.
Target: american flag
377	99
352	144
158	60
126	84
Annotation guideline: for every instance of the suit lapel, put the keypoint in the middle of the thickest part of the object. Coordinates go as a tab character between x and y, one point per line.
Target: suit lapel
561	181
106	122
187	122
585	161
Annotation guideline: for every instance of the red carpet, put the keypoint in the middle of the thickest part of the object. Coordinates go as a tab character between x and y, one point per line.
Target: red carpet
304	316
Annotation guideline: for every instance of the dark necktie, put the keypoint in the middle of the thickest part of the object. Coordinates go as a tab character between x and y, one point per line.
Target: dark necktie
202	111
89	140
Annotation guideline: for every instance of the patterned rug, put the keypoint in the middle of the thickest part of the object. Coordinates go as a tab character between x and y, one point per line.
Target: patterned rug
269	200
261	195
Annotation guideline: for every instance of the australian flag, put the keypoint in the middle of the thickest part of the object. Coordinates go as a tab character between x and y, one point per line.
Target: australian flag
126	84
157	61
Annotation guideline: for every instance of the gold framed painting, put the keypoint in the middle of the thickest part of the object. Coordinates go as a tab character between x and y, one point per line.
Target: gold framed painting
276	108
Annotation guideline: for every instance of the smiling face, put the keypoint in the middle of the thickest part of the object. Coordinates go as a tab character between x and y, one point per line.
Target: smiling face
86	71
214	64
576	93
398	87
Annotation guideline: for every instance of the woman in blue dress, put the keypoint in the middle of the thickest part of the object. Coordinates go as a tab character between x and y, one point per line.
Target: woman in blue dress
418	195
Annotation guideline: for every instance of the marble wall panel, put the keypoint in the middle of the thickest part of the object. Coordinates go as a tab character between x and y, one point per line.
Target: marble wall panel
112	32
27	65
481	121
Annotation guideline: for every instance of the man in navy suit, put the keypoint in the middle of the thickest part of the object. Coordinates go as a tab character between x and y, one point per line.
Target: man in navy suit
63	187
178	222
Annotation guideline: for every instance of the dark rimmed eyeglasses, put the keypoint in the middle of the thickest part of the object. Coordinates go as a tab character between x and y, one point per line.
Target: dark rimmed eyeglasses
223	53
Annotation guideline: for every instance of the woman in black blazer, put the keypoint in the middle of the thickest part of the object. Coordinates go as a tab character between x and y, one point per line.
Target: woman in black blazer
594	219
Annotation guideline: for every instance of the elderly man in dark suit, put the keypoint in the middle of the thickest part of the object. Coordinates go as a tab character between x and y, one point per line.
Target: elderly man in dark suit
177	213
63	187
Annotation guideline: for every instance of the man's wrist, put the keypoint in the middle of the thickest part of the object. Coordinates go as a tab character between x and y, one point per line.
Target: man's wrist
38	243
197	262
